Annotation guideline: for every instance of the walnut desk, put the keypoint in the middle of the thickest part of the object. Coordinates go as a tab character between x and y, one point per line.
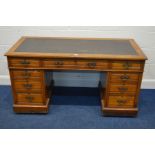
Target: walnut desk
32	59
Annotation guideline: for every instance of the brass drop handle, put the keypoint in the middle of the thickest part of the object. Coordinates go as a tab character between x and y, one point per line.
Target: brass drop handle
122	88
124	77
126	65
29	98
25	62
27	86
59	63
121	102
92	64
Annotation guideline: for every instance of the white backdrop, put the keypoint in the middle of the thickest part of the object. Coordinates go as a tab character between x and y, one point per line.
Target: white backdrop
144	36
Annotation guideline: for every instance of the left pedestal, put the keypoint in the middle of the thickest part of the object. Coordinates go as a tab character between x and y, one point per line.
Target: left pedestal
30	90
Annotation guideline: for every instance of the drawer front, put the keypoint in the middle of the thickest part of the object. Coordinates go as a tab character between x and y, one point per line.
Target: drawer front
121	101
126	65
92	64
27	74
58	63
23	86
123	88
24	62
25	98
124	77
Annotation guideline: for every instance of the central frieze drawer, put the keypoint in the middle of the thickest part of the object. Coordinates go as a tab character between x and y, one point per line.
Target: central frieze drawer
92	64
25	98
24	62
116	101
58	63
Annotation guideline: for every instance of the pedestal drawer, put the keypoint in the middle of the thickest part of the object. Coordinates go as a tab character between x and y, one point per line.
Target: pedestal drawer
24	86
26	98
123	88
118	101
124	77
26	74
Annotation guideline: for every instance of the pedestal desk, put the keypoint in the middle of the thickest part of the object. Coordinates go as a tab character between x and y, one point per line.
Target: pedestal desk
32	59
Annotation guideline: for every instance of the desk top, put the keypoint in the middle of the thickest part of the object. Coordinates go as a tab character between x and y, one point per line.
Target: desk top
76	47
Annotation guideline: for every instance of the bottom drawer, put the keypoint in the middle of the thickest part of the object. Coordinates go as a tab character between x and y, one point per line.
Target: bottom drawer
116	101
26	98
